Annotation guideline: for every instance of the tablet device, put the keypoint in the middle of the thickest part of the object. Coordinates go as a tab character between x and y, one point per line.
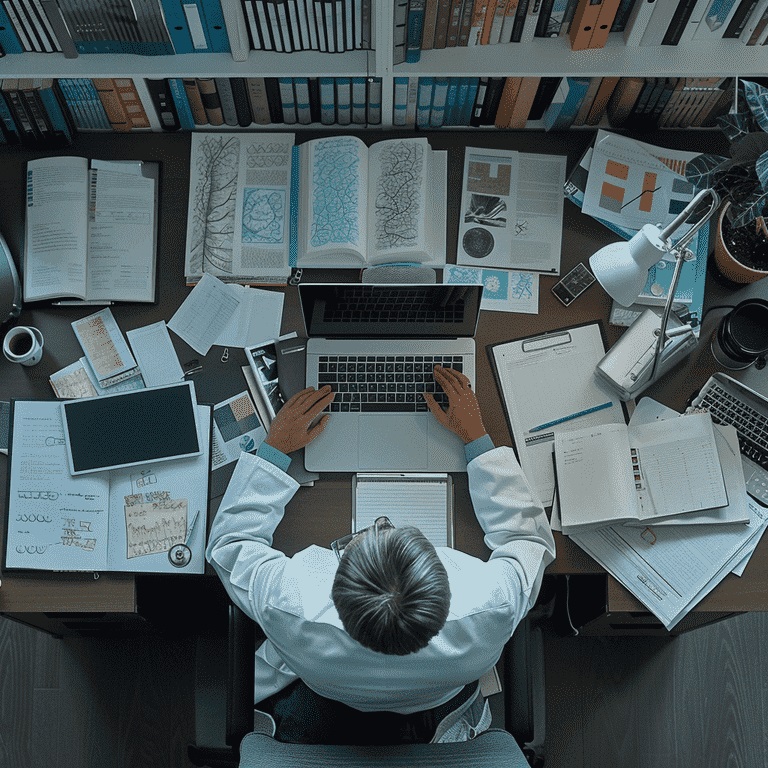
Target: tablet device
130	428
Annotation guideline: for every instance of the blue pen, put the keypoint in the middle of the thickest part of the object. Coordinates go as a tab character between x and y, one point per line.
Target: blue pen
572	416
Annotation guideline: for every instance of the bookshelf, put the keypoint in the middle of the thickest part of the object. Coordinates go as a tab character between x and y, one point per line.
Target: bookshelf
545	57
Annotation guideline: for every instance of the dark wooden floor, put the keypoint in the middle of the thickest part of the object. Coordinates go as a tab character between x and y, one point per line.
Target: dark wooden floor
698	700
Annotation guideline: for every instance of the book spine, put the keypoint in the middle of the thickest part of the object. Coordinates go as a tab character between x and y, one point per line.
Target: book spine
195	23
359	101
374	101
195	100
9	40
343	100
756	17
716	21
183	110
399	100
545	15
227	99
178	28
287	100
491	101
58	115
469	100
59	28
134	107
93	102
465	23
257	98
524	102
399	31
532	20
454	23
411	107
242	103
415	31
113	105
439	96
428	31
303	110
451	99
638	21
215	25
477	106
441	23
162	100
365	24
236	28
327	101
506	103
211	101
622	100
9	126
273	100
424	103
739	19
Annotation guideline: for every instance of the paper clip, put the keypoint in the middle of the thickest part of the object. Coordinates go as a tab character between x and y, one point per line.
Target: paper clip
225	355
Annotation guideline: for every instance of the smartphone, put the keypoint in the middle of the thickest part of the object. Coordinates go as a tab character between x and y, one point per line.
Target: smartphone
573	284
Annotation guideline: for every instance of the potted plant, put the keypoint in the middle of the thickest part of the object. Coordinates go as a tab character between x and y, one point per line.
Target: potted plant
741	180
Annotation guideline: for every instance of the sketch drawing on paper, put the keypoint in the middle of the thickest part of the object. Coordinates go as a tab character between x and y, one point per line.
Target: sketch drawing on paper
521	285
213	206
263	216
154	526
335	194
398	195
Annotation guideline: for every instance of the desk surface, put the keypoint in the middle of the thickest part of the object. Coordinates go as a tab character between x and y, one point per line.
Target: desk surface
322	513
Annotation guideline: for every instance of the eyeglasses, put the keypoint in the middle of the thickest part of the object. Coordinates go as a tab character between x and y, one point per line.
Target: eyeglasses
379	524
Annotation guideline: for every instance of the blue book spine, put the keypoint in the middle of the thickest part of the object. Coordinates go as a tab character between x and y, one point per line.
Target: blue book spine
439	94
451	101
215	28
178	28
293	224
7	119
55	113
93	103
561	113
9	40
472	86
400	100
327	101
179	96
74	103
415	30
424	101
287	99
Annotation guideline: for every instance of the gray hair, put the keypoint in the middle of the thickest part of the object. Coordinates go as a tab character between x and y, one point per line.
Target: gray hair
391	590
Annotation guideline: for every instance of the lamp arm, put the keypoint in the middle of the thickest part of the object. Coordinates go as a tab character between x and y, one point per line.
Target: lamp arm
661	342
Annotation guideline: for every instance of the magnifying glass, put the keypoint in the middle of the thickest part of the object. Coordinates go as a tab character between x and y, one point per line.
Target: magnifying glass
180	555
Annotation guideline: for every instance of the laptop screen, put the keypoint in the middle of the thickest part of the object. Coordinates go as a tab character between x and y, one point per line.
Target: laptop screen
366	310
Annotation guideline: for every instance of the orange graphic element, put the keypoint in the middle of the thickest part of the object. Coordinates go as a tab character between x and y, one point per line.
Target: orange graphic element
612	191
646	198
619	170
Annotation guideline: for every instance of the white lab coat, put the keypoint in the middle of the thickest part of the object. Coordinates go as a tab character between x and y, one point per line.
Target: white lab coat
290	597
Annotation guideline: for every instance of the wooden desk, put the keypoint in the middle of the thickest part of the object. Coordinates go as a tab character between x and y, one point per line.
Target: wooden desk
322	513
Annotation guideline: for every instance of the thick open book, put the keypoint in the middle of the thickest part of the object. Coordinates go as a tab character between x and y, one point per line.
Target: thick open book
91	230
613	473
358	205
122	520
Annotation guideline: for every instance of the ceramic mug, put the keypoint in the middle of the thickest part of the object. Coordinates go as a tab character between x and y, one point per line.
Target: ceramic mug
23	344
741	339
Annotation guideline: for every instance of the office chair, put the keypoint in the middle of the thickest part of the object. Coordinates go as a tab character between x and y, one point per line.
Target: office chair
225	712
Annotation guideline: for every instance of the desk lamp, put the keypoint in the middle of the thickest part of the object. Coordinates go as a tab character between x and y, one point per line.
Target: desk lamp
647	349
10	287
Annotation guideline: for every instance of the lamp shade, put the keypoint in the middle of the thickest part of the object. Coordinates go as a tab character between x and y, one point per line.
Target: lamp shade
622	267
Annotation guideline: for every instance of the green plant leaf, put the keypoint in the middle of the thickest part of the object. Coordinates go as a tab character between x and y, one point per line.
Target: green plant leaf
747	149
736	124
703	170
748	210
757	101
761	168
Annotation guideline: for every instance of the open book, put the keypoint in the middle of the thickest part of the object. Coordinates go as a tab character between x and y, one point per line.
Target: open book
356	205
613	473
91	231
122	520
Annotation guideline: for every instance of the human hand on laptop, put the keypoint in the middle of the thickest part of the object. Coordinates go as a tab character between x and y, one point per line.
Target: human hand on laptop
292	428
463	414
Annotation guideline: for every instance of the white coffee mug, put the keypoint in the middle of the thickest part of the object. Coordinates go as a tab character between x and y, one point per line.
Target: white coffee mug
23	344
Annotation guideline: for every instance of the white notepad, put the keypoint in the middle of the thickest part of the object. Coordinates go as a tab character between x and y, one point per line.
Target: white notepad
424	500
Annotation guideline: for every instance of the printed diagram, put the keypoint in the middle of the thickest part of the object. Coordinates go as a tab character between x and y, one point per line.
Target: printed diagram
398	196
213	206
521	285
263	216
335	194
488	210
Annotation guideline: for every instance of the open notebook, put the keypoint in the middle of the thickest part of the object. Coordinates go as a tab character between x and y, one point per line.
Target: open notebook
424	500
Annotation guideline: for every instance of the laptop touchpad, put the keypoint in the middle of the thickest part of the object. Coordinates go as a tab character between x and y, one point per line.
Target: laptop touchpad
385	442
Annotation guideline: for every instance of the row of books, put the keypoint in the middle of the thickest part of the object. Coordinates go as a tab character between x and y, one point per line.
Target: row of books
427	24
644	103
166	27
48	112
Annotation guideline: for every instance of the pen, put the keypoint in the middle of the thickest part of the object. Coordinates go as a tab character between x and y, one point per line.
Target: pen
572	416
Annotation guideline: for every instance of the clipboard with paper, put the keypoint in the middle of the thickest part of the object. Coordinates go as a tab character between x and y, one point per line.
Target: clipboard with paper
545	378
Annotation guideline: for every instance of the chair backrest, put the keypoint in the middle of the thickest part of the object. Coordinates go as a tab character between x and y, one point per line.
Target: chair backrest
492	749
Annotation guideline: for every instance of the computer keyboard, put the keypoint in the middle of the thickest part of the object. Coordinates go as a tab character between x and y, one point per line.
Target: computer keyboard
729	407
389	305
379	383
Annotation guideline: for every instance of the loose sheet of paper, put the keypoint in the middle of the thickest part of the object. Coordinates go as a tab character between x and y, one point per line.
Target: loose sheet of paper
422	501
153	349
103	344
511	210
154	526
79	380
204	314
504	290
258	316
236	429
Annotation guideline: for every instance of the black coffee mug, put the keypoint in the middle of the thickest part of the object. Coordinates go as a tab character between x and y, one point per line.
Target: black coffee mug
741	339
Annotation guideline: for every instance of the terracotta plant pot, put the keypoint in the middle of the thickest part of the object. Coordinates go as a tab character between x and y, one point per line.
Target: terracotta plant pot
729	266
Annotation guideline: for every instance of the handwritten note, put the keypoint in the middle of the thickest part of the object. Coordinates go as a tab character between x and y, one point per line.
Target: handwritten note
154	526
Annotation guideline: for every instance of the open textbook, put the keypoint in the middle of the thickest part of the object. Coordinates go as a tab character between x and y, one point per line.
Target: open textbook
358	205
613	473
91	230
121	520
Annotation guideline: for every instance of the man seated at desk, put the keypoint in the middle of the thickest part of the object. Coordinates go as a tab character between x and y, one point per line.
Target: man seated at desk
388	624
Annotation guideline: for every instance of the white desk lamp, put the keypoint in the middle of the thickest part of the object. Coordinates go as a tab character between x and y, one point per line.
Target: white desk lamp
647	349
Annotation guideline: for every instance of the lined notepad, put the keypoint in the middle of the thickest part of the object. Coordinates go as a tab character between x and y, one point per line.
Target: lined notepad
424	500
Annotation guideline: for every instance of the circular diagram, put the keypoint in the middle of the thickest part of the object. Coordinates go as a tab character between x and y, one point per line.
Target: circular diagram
477	242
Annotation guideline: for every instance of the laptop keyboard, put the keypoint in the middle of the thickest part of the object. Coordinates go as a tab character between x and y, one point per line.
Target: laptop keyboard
379	383
392	306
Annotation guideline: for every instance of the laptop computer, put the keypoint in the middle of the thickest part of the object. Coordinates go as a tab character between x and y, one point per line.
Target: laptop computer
376	345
